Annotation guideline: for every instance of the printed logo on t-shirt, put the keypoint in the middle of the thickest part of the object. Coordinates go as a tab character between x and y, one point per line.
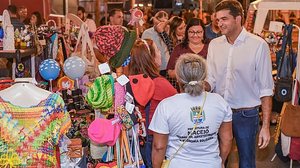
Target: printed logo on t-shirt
197	117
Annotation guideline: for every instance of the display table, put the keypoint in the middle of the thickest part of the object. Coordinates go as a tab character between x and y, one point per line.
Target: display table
17	55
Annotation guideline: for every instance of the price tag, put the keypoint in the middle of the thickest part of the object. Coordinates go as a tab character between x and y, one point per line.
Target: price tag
129	98
104	68
276	26
129	107
122	80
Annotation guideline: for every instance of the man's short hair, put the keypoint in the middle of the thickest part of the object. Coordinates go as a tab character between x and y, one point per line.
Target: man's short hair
113	12
235	8
80	8
12	9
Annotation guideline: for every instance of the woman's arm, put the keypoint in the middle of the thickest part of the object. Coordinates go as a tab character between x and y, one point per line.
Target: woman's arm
225	135
159	147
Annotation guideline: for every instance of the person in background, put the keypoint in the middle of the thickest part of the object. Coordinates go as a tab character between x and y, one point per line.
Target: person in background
212	29
91	23
12	9
240	70
194	112
152	34
36	19
173	38
22	13
142	61
81	13
88	20
176	33
194	42
116	17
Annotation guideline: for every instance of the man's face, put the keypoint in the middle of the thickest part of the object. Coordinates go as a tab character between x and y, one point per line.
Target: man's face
214	19
80	14
117	19
227	23
23	13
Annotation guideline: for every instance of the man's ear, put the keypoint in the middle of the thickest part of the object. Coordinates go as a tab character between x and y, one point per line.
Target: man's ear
239	19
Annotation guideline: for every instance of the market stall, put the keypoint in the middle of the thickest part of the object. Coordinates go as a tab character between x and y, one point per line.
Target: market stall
262	7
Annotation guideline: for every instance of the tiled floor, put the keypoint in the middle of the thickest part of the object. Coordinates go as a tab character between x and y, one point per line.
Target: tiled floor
263	159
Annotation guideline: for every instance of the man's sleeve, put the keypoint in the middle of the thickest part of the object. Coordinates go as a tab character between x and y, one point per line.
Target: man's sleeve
211	71
264	71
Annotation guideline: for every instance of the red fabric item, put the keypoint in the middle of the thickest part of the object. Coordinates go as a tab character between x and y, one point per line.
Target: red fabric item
57	153
163	89
295	148
142	87
179	50
106	165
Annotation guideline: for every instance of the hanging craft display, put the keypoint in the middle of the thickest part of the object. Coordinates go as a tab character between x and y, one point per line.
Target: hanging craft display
8	40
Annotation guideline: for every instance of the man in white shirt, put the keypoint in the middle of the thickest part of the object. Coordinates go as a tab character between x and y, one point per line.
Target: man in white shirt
239	69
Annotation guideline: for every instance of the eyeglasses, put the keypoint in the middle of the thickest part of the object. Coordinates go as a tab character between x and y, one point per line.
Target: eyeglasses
195	32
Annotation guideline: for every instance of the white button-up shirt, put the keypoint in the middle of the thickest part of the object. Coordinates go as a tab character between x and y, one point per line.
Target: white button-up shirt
240	72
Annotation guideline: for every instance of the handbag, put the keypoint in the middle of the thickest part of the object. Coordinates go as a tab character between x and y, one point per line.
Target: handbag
166	162
87	52
290	121
284	79
295	149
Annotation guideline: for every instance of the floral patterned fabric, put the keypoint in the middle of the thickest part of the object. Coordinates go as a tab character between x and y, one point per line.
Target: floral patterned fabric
29	136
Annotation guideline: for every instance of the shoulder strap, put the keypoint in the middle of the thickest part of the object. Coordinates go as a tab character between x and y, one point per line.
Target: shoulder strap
286	41
147	111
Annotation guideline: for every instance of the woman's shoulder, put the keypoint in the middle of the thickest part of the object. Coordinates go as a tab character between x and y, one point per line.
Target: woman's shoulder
163	88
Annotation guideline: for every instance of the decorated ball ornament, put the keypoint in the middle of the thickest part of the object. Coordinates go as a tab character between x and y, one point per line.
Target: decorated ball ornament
136	17
74	67
49	69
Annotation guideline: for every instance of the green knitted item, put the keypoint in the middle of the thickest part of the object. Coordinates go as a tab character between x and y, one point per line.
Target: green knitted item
100	94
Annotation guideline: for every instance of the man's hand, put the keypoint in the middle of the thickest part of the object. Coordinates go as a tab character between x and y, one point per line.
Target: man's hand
264	138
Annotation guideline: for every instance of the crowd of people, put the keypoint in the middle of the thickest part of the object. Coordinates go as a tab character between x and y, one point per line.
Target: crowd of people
210	81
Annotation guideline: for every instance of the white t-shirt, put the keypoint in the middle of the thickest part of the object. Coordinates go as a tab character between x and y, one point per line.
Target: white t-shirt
174	116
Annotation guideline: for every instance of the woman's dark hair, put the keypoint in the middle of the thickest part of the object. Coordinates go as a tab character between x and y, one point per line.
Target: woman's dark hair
193	22
80	8
39	19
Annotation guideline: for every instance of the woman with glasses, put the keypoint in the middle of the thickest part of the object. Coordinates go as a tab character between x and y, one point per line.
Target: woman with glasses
194	42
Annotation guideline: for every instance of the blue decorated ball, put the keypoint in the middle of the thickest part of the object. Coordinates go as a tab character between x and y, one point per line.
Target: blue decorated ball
74	67
49	69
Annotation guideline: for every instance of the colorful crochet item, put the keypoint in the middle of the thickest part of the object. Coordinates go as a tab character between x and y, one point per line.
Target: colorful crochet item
29	136
100	94
109	39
